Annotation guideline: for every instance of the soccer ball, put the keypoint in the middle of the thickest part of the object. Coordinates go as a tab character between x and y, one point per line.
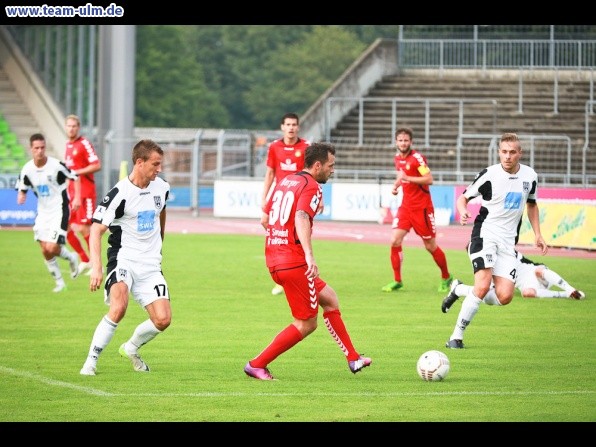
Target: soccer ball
433	366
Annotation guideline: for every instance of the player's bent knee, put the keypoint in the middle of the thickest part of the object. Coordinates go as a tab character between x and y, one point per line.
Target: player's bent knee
505	300
162	325
529	293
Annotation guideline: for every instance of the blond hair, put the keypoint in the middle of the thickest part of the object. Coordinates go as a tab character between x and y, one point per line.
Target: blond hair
73	117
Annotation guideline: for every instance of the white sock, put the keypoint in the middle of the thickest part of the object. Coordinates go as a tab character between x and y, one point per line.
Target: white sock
462	290
101	337
67	254
469	307
554	279
545	293
491	298
143	334
54	270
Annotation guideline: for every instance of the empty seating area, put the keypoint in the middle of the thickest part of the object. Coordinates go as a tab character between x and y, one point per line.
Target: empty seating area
16	125
447	109
440	106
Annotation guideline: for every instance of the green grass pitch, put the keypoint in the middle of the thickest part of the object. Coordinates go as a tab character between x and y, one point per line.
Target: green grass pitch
530	361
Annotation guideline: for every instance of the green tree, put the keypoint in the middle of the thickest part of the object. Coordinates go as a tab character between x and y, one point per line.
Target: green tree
235	59
369	33
293	77
170	86
240	76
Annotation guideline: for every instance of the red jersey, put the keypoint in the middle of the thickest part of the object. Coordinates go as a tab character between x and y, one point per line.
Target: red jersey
414	165
80	154
286	159
298	191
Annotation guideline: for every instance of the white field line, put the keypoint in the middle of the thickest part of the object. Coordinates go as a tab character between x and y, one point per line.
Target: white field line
97	392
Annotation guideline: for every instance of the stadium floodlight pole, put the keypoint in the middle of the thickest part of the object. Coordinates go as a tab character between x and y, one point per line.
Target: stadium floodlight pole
195	173
380	181
382	211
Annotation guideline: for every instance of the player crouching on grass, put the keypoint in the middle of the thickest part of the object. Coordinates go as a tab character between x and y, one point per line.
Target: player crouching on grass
534	280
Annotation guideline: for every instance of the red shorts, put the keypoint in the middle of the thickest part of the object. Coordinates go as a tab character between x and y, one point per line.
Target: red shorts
422	220
83	215
302	294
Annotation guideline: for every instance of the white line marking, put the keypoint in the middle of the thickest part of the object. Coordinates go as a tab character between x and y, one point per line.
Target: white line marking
96	392
332	234
58	383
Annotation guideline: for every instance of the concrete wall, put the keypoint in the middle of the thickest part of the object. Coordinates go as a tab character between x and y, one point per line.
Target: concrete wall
34	95
378	60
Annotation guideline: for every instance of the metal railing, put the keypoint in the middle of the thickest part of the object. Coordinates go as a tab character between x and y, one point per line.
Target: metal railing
191	156
529	145
496	54
343	105
395	102
553	157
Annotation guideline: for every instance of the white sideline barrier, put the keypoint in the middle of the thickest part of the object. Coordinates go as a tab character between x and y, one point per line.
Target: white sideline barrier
343	201
236	198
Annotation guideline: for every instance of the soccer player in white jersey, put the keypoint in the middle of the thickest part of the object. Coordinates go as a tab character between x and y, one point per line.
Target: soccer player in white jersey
47	178
533	280
506	188
134	211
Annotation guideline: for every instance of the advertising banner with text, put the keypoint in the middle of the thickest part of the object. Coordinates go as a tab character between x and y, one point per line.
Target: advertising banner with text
13	214
563	224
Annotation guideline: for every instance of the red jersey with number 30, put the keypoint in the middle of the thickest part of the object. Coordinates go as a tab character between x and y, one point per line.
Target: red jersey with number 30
295	192
80	154
286	159
414	165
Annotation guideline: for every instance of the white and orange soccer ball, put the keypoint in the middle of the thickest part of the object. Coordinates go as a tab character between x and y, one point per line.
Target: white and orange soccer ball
433	366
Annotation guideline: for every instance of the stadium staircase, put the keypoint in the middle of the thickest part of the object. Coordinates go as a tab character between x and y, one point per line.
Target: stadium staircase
16	125
538	114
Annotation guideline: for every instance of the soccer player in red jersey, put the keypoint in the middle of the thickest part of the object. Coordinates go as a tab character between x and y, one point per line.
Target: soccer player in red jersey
288	220
416	210
284	156
81	158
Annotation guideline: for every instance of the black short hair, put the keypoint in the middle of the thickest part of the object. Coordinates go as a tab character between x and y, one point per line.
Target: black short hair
36	137
317	152
290	115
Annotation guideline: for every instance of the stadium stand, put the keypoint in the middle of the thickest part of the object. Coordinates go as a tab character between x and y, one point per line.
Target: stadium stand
433	103
16	125
441	105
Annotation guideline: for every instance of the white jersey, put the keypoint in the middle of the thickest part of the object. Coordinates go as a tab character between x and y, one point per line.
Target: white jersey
504	198
49	184
132	215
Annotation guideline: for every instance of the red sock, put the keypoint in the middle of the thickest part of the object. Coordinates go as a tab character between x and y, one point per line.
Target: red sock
280	344
337	329
397	256
441	261
86	237
74	242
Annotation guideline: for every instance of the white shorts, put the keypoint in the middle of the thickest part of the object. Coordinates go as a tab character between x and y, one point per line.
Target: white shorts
491	254
49	234
48	227
146	283
527	279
